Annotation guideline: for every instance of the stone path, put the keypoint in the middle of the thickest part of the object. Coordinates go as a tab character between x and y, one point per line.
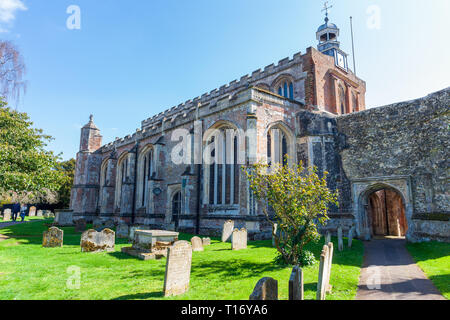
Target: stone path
399	276
8	224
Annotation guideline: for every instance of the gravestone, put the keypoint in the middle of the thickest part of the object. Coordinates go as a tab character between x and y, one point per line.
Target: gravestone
48	214
197	244
328	238
7	215
122	231
178	269
32	212
239	239
329	264
323	276
274	231
265	289
151	244
227	231
340	240
80	225
100	224
53	238
39	213
206	241
350	236
93	241
63	218
296	284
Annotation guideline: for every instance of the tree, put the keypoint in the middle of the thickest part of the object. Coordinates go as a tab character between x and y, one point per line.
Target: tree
299	199
67	168
27	171
12	70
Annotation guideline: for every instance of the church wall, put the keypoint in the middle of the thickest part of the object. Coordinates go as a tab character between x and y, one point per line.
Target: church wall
404	141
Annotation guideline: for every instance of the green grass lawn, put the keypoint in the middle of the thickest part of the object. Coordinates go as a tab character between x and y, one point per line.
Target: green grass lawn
28	271
434	259
19	219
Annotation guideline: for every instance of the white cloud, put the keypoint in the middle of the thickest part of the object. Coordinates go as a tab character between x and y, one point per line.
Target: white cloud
8	10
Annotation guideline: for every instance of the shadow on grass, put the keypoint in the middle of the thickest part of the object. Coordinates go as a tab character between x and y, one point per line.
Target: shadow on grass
141	296
122	256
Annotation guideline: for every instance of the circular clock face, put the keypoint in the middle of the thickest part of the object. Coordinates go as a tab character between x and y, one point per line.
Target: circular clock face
157	191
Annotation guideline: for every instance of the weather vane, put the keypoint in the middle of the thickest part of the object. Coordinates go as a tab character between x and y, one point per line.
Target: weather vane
325	8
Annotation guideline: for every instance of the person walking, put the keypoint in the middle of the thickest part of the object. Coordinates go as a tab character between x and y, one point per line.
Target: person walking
15	211
23	211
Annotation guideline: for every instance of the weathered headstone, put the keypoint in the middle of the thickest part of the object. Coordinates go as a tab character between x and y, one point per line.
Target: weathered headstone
227	231
178	269
296	284
32	212
7	215
93	241
48	214
80	225
122	231
151	244
265	289
328	238
132	229
197	244
329	264
206	241
100	224
340	240
350	236
39	213
274	231
239	239
63	218
323	268
53	238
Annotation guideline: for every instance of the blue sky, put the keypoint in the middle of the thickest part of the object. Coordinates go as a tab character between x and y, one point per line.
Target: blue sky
133	59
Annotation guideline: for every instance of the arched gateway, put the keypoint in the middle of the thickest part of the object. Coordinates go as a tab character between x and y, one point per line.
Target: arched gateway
383	207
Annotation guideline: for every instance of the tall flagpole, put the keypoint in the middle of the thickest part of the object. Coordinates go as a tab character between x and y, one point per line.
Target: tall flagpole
353	46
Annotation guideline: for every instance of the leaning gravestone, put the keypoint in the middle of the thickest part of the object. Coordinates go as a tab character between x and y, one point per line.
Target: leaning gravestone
206	242
63	218
93	241
122	231
80	225
328	238
329	264
53	238
197	244
265	289
39	213
340	240
227	231
178	269
296	284
239	239
7	215
32	212
350	236
322	285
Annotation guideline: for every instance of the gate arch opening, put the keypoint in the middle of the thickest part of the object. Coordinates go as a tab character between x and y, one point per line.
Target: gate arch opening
386	212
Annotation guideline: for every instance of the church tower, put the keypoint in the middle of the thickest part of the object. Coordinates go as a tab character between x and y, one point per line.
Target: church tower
327	35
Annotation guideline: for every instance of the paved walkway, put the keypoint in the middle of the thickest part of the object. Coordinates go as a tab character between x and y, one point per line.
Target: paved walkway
399	276
8	224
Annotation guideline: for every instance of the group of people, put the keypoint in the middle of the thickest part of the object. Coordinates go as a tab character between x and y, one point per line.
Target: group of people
19	208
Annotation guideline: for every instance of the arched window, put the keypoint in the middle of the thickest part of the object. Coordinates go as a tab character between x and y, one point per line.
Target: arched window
342	103
176	208
222	174
145	172
286	89
121	177
278	143
103	173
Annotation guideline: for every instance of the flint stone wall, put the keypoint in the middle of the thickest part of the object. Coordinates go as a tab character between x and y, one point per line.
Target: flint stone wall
409	140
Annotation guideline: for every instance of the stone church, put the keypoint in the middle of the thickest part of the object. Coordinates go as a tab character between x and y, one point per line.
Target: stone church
390	164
